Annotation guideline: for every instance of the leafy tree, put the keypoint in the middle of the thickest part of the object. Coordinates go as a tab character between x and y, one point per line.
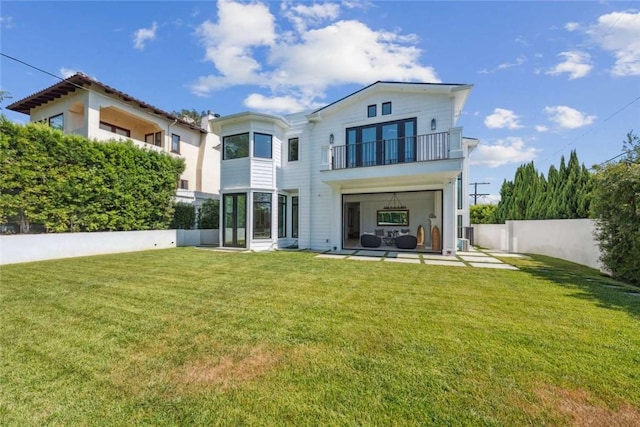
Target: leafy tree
506	201
191	116
482	214
184	216
66	183
209	214
616	209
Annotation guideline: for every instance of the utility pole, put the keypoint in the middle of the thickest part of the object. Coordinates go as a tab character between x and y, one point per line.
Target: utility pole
475	191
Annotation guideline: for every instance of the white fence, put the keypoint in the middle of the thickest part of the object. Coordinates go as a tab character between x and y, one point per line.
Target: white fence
38	247
569	239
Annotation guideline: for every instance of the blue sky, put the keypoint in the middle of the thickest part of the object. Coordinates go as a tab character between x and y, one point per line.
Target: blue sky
548	77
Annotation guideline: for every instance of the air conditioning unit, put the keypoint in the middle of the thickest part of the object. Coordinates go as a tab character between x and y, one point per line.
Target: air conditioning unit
463	244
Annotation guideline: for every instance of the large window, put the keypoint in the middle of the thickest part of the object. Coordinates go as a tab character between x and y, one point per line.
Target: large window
293	149
175	143
294	216
381	143
261	215
57	121
262	145
115	129
282	215
236	146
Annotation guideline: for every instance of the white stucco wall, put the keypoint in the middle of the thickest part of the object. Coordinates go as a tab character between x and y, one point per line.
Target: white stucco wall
569	239
38	247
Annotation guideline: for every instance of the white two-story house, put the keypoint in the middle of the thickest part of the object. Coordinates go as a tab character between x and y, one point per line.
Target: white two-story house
384	162
87	107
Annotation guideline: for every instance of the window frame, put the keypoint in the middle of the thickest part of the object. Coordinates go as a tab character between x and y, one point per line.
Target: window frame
295	216
282	215
173	143
183	184
156	138
255	145
372	110
61	116
236	135
290	157
113	128
262	231
384	111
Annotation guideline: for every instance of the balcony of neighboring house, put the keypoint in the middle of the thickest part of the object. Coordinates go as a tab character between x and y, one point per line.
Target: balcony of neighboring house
118	124
432	157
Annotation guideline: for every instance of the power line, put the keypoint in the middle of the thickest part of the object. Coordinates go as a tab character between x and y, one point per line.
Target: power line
41	70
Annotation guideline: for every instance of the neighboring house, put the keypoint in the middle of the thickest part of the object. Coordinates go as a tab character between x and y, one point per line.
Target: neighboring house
84	106
383	160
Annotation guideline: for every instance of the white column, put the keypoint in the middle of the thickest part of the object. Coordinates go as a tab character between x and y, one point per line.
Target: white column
449	220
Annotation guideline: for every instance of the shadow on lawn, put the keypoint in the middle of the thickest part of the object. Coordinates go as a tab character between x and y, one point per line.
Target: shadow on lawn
592	284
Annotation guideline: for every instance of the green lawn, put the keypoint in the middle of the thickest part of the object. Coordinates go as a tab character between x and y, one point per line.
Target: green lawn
187	336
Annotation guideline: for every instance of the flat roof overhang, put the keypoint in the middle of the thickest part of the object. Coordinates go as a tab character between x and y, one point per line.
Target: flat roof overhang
397	175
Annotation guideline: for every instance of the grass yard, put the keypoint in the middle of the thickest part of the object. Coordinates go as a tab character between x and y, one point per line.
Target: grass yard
187	336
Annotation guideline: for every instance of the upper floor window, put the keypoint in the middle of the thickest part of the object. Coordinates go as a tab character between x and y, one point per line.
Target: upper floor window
184	184
175	143
386	108
57	121
372	110
154	139
262	145
115	129
293	149
235	146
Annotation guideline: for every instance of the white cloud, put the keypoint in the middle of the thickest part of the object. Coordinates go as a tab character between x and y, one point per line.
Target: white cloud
502	118
277	104
505	65
571	26
504	151
577	64
567	117
143	35
619	33
246	48
6	22
542	128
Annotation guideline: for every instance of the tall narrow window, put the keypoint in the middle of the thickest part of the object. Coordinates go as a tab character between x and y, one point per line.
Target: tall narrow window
175	143
386	108
459	191
459	226
261	215
262	145
282	215
235	146
294	216
57	121
372	111
293	149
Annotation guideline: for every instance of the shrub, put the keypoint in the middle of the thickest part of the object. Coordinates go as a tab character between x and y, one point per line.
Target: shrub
184	216
209	214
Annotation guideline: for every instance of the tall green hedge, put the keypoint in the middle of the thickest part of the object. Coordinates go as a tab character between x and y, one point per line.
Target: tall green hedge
67	183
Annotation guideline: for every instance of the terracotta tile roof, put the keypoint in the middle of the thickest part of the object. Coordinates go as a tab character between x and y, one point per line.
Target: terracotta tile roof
80	81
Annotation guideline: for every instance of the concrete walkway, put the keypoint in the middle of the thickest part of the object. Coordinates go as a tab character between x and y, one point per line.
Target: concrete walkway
472	258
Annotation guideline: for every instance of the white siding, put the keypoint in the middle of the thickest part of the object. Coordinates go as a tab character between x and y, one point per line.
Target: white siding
262	174
235	173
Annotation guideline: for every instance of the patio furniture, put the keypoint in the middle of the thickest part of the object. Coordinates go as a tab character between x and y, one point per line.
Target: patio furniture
370	241
406	241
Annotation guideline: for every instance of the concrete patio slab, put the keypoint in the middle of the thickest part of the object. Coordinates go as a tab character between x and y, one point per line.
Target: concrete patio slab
407	255
469	253
496	266
507	255
445	263
439	257
365	258
370	253
486	259
403	260
330	256
343	252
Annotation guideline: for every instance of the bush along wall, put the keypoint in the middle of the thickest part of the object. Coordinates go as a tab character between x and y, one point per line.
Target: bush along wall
66	183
